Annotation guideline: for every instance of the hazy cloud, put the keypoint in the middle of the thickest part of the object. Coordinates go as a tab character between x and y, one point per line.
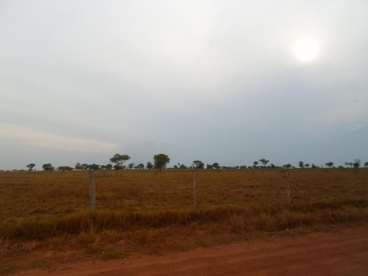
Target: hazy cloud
23	136
213	80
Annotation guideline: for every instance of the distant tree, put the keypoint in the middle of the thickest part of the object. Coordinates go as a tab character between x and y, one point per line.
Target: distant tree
48	167
118	160
149	166
160	161
287	166
264	162
31	166
93	167
180	166
329	164
131	166
197	164
366	164
140	166
356	163
106	167
349	164
78	166
306	165
85	166
216	166
65	168
255	164
301	164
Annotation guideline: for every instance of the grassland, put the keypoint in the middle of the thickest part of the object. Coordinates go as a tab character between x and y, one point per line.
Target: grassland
39	205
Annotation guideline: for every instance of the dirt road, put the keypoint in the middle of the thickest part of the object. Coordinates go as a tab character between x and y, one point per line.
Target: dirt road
341	253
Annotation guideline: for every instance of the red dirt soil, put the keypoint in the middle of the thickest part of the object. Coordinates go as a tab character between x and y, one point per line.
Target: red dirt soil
341	253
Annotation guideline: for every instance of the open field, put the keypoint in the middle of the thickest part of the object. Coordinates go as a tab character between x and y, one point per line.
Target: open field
45	219
40	204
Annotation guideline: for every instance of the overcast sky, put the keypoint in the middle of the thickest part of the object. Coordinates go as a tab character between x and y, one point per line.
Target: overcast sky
215	80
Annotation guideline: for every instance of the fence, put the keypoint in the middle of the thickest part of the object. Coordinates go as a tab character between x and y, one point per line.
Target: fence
56	193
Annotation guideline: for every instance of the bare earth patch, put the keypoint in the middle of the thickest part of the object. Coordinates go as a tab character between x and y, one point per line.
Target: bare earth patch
333	252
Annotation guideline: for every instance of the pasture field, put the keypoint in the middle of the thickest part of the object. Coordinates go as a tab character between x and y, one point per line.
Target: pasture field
37	205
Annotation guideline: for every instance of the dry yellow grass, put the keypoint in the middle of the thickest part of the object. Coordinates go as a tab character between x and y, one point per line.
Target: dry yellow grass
42	204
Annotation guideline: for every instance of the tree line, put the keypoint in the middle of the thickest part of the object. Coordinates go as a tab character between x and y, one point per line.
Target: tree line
160	161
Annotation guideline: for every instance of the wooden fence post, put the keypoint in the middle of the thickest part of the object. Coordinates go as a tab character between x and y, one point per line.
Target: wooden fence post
92	189
289	193
194	190
288	188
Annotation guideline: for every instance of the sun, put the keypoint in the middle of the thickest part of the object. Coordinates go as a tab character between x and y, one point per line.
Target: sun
306	50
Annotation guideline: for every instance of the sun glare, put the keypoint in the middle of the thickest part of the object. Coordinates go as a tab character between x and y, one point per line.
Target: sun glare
306	50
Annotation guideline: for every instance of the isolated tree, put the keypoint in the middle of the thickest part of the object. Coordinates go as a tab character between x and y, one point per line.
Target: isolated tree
255	164
180	166
287	166
264	162
366	164
131	166
85	166
329	164
31	166
140	166
118	160
197	164
65	168
80	166
161	160
306	165
48	167
106	167
93	167
216	166
301	164
356	163
149	166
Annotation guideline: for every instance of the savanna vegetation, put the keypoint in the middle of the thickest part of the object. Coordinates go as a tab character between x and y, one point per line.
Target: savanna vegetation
46	220
38	205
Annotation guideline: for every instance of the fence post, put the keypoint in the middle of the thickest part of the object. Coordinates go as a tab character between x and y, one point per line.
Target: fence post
194	190
92	189
288	188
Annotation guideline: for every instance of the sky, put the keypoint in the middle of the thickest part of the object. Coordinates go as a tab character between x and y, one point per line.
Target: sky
215	80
